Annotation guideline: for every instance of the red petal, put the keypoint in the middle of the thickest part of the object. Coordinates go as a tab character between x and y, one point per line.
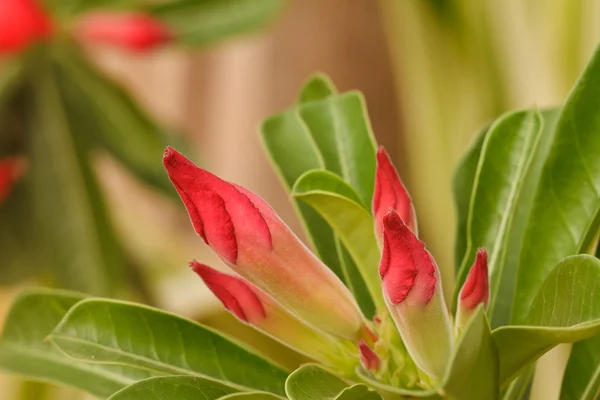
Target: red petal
369	359
235	293
133	31
390	192
220	213
22	22
406	265
476	288
11	169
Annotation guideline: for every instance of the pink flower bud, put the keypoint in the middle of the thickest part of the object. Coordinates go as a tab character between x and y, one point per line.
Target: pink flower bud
11	169
254	307
247	234
390	193
413	293
475	290
133	31
21	23
368	358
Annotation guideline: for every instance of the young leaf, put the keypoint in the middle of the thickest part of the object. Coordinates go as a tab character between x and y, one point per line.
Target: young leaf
340	127
565	213
24	350
563	311
317	87
174	388
339	205
112	332
293	152
311	382
582	376
472	372
506	155
199	22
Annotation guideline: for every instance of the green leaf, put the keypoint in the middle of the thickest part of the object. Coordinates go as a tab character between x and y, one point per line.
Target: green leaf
71	217
293	152
565	310
520	388
582	376
317	87
251	396
174	388
103	111
113	332
354	280
462	187
338	204
200	22
506	154
311	382
340	127
565	214
505	294
472	372
24	350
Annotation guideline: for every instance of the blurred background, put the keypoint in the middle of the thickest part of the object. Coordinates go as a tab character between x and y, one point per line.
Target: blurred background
90	98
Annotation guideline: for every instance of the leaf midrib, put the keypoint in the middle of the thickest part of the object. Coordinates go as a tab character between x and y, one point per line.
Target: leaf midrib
167	368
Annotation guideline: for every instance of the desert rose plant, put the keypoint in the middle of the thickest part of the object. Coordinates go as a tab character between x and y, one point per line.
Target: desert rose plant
366	304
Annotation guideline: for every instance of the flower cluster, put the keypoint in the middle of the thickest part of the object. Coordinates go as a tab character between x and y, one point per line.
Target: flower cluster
23	22
284	290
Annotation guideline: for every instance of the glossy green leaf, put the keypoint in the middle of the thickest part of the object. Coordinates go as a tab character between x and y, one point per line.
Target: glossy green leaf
200	22
506	154
311	382
472	372
317	87
462	187
340	127
582	376
354	280
113	332
293	152
520	388
24	350
251	396
71	217
565	214
174	388
565	310
505	293
103	111
337	203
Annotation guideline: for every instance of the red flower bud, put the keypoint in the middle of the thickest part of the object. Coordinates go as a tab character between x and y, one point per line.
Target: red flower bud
413	293
21	23
254	307
247	234
475	290
11	169
368	358
132	31
390	193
